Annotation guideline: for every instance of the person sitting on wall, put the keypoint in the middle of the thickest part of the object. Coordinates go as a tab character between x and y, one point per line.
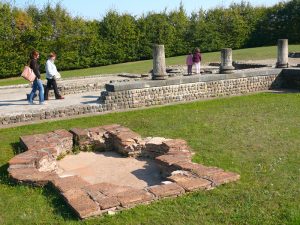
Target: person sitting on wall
52	75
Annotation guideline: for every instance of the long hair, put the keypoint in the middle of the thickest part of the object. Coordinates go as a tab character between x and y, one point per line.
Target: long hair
34	54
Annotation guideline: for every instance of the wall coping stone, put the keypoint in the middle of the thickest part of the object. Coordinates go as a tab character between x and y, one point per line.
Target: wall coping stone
114	87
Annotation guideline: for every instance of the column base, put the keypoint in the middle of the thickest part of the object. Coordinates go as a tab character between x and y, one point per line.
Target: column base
280	65
227	69
159	77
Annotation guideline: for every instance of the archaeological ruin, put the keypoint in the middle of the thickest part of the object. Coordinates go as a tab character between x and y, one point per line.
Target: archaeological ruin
161	168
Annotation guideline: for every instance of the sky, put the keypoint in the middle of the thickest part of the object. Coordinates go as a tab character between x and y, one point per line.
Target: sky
96	9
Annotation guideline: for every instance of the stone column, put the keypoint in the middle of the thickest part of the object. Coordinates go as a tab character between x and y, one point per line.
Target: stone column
159	63
282	53
226	61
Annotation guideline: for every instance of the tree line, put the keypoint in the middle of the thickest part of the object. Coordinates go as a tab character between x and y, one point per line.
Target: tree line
121	37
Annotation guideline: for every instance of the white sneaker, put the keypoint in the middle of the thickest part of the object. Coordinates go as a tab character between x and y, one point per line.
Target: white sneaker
31	103
43	103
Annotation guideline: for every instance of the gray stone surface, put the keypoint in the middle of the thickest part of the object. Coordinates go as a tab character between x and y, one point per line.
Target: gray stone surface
226	61
189	79
159	63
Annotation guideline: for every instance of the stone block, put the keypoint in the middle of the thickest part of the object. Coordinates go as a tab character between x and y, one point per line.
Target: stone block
82	204
107	202
81	136
223	177
166	190
42	160
26	159
124	140
68	183
62	140
198	169
110	190
169	160
30	176
191	183
175	145
132	197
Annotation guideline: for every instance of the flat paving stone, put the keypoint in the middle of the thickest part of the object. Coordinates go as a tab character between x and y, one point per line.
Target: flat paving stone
97	168
166	190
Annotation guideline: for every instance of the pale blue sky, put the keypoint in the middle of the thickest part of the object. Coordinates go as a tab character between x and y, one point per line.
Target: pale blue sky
95	9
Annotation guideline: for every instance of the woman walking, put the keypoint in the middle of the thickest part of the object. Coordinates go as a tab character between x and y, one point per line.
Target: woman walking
197	60
37	83
51	75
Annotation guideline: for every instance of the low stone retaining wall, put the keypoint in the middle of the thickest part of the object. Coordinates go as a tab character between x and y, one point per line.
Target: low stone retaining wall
38	166
189	88
144	93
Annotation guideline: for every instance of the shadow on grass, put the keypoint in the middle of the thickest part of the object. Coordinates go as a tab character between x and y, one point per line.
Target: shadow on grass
53	197
4	179
17	148
59	205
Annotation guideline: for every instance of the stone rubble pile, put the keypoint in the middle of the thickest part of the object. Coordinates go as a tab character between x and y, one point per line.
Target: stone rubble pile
37	166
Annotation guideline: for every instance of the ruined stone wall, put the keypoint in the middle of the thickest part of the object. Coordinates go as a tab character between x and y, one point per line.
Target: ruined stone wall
136	98
145	93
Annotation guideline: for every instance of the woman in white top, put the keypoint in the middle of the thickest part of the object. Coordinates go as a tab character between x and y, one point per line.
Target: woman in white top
52	74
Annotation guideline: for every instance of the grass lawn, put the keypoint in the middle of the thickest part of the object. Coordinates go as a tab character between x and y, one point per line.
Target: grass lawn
257	136
145	66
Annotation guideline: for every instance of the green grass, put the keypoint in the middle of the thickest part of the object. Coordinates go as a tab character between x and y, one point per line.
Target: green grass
145	66
256	136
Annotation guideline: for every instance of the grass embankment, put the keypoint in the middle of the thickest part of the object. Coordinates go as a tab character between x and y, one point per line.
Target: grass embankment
145	66
256	136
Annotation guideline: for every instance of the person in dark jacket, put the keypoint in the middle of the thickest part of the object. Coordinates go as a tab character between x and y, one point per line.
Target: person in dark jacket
197	60
37	83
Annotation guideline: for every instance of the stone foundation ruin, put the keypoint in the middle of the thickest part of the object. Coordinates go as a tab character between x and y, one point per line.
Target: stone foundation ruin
39	166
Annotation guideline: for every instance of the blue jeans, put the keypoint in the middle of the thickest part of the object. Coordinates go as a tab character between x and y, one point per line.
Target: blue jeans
37	85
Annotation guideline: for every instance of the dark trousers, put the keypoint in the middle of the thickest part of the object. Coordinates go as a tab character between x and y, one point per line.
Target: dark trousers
51	83
190	69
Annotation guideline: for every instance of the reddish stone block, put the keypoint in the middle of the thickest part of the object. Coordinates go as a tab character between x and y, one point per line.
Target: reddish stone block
110	190
166	190
183	154
73	193
198	169
111	128
176	145
51	151
30	175
67	183
63	133
26	159
224	177
80	135
33	142
82	204
125	141
190	183
107	202
59	139
169	160
133	197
